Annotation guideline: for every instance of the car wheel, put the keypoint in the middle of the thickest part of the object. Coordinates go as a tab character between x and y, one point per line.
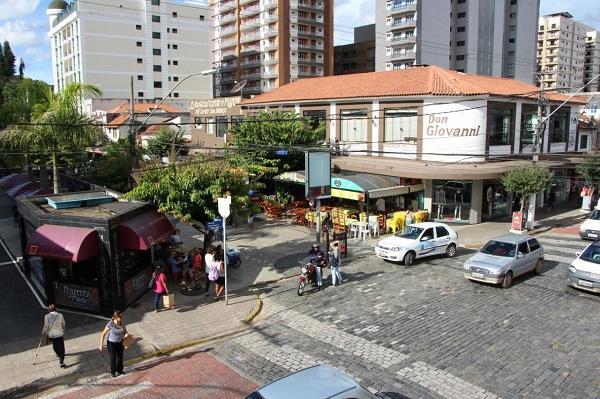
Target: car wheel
451	251
409	258
539	266
507	282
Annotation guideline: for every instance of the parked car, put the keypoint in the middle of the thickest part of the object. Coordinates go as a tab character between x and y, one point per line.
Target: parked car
590	228
317	382
584	272
417	241
504	258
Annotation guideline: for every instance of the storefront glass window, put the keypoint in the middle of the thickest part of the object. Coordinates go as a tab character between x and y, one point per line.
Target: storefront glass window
354	125
451	200
500	122
222	126
528	126
559	127
400	125
495	200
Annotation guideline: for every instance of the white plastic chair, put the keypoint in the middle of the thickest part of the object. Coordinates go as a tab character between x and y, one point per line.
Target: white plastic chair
374	228
354	233
364	230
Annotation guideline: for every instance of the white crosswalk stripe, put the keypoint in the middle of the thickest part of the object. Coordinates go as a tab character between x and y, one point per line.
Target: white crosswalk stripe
559	258
120	393
563	243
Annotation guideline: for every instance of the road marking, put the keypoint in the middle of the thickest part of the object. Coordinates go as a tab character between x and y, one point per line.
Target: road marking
552	242
10	262
443	383
10	255
126	391
63	392
558	258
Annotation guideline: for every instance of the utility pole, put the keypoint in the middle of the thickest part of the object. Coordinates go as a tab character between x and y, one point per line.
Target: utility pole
537	148
132	153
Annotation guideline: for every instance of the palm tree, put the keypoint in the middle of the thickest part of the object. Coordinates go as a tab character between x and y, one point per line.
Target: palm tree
59	126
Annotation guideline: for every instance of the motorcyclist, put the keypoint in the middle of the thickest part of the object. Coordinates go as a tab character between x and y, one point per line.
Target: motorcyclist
317	258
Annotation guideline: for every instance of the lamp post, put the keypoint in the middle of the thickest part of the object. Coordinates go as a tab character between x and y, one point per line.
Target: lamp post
133	131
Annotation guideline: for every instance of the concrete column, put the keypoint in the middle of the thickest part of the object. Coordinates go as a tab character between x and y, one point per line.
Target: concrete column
517	142
375	140
297	109
476	202
546	143
428	197
332	123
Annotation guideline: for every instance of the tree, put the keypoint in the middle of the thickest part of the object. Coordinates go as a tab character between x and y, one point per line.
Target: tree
20	97
167	142
590	170
111	169
526	180
59	127
189	190
21	69
8	61
262	135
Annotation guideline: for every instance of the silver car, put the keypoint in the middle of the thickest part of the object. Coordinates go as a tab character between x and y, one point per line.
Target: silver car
317	382
504	258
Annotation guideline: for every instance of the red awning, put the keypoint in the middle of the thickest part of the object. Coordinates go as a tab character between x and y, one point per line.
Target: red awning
35	191
13	180
22	188
143	231
63	242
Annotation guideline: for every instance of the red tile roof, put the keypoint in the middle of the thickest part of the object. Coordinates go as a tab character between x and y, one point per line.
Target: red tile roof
416	81
143	108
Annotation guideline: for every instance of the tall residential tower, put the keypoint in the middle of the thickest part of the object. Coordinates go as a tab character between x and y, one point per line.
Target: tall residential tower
105	42
269	43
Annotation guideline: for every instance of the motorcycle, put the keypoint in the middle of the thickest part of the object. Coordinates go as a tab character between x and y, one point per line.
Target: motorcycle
308	275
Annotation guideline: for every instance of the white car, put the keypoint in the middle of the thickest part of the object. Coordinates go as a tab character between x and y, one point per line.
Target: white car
590	229
417	241
584	272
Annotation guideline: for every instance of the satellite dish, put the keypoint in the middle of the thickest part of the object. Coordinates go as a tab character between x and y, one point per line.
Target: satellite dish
239	86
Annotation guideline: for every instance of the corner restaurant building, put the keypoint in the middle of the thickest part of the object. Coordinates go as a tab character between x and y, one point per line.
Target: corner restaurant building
455	132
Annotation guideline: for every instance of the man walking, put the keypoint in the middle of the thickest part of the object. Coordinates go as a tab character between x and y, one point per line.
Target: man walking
335	263
54	328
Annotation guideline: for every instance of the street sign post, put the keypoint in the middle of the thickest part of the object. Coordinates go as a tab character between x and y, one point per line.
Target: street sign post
318	181
224	206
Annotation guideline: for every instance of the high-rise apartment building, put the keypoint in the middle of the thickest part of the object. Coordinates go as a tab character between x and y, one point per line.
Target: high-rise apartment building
105	42
356	57
561	52
269	43
484	37
592	60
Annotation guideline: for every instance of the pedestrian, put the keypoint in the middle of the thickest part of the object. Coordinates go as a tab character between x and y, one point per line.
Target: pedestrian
197	268
251	221
551	200
160	286
335	262
208	261
409	217
54	329
317	258
173	262
220	281
117	332
188	266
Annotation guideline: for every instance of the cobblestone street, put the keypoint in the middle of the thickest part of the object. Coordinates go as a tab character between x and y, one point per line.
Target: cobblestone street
425	331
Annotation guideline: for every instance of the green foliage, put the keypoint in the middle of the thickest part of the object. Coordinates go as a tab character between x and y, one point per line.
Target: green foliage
526	180
8	61
260	136
112	169
20	96
167	142
590	169
189	191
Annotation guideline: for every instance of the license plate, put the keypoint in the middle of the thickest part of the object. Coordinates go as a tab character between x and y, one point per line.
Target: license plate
477	275
585	283
592	235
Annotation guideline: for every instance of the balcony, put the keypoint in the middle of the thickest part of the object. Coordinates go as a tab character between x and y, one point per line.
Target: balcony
403	40
309	5
250	64
250	38
270	75
226	6
412	23
250	49
307	33
313	21
225	54
227	67
251	89
270	46
243	2
227	79
269	19
248	11
228	43
251	76
269	5
232	17
307	61
271	61
270	33
408	55
401	9
250	24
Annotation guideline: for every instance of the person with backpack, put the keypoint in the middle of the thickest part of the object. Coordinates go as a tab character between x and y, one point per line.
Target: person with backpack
54	329
160	286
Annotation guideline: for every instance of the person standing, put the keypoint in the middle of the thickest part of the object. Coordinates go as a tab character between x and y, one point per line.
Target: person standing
116	332
54	329
219	264
335	262
251	221
208	261
409	217
160	286
317	258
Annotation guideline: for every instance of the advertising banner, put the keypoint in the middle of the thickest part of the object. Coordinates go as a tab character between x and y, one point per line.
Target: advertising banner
137	285
517	221
76	296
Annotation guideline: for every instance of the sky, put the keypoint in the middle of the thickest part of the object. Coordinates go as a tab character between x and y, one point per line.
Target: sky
25	25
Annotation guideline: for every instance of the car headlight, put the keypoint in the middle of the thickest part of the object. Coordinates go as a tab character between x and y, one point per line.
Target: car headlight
495	272
396	249
466	266
572	269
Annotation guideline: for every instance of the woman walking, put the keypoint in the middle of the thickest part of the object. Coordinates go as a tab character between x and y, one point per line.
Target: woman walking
220	269
160	286
208	261
117	332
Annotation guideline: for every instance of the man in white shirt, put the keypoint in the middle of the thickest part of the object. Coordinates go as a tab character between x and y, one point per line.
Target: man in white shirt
54	328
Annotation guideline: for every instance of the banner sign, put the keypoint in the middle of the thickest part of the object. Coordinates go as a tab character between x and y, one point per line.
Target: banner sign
517	221
76	296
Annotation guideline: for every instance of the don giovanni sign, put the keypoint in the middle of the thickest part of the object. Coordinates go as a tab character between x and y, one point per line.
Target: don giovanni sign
439	126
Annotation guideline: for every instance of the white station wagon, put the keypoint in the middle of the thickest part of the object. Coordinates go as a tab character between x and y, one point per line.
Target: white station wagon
417	241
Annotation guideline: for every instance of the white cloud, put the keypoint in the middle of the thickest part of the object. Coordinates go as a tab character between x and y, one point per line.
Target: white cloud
354	13
20	34
13	9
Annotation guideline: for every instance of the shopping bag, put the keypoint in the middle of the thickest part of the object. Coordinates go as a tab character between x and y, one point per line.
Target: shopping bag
169	301
128	341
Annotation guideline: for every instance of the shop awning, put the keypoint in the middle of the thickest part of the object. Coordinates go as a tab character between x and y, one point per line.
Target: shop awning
63	242
143	231
22	188
394	191
14	180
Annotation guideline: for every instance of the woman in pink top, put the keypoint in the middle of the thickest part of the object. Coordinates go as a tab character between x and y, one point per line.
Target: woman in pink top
160	286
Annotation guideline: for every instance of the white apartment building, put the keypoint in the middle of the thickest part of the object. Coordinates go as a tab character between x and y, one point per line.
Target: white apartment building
494	38
269	43
105	43
561	52
592	61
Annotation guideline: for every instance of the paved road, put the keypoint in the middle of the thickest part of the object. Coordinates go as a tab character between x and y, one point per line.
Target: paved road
422	331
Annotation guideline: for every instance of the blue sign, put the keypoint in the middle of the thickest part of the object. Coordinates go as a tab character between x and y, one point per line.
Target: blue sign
216	224
281	153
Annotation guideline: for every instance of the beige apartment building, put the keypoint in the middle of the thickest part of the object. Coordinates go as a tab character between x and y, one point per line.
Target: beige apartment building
561	52
592	60
269	43
105	43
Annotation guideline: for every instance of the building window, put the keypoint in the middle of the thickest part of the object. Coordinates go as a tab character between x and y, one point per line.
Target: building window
354	125
157	84
400	125
461	14
139	61
236	120
528	126
140	77
222	126
513	15
559	127
139	44
451	200
174	14
461	29
210	125
201	17
156	35
500	123
460	57
155	2
460	43
175	78
316	117
175	94
175	62
197	122
156	68
174	30
583	142
140	94
175	46
156	51
138	27
156	18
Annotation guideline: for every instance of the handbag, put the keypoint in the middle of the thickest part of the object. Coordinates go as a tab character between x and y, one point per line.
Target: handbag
213	275
152	282
128	341
169	301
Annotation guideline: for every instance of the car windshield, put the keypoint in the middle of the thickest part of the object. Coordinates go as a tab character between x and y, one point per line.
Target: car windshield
595	215
410	232
499	248
591	254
